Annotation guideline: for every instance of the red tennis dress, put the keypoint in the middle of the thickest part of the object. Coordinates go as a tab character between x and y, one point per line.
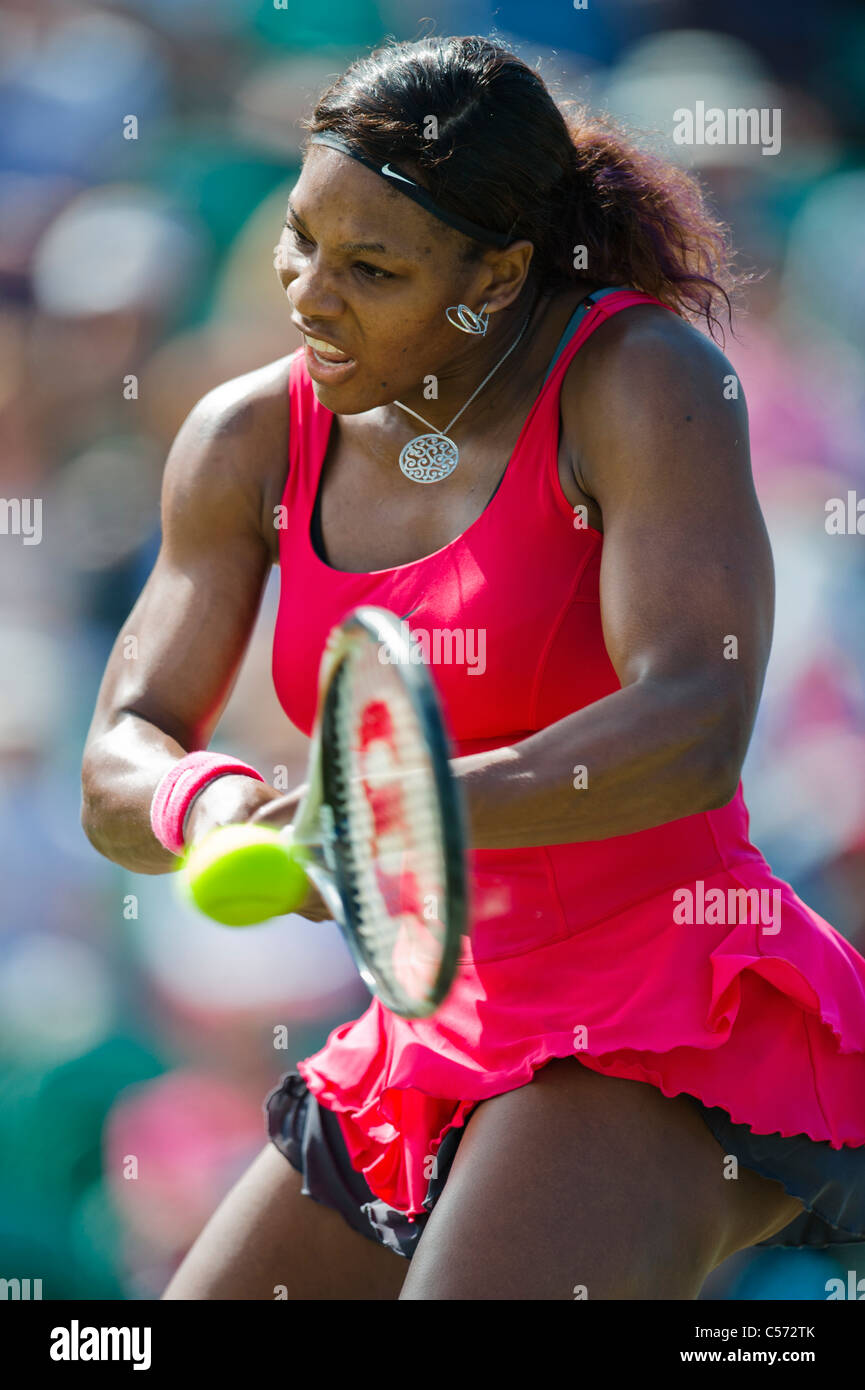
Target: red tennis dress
672	956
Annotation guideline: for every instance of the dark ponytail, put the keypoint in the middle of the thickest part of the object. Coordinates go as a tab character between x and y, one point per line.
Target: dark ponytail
481	130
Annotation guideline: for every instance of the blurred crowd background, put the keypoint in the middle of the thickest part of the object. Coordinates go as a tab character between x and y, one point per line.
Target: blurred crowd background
136	273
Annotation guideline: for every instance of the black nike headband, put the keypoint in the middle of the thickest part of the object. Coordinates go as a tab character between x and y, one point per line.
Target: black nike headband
397	179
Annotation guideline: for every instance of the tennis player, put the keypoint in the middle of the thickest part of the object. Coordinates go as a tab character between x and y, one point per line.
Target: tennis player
505	426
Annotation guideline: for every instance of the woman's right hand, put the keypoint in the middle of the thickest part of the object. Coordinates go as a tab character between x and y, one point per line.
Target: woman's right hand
228	800
248	800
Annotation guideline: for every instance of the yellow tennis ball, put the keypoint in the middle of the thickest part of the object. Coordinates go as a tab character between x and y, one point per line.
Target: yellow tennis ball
242	874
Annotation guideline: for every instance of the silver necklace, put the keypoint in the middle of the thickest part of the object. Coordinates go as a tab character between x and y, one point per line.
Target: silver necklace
428	458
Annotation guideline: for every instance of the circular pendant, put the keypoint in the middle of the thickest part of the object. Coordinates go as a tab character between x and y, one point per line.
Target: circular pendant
428	458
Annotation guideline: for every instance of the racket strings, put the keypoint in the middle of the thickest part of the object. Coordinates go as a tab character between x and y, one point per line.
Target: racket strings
389	824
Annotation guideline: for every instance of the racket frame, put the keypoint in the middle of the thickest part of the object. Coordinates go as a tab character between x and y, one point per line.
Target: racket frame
314	830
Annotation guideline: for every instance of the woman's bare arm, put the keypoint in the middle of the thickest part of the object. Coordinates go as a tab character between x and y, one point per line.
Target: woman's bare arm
178	654
686	564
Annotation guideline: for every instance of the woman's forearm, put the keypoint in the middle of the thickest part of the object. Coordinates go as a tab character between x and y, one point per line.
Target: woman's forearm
647	754
121	770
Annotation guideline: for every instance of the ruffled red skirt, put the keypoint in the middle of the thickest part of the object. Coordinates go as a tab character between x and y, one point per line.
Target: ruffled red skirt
755	1005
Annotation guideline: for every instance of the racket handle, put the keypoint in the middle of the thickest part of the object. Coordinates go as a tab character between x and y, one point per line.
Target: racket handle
243	874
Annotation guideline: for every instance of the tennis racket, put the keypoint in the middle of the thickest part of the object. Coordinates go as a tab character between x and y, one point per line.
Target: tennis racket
380	830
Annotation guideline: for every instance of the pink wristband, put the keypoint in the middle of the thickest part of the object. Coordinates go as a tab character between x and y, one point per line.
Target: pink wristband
181	784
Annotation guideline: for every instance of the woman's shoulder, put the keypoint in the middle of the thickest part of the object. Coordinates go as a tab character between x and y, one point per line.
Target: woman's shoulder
254	401
232	449
640	341
644	353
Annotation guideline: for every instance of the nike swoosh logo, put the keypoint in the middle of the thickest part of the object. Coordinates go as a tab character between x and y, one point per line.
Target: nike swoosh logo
392	174
409	613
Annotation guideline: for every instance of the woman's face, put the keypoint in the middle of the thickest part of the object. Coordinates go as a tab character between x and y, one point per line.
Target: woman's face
366	269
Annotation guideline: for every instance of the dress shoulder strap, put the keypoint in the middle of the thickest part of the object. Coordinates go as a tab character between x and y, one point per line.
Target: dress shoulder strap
584	321
573	323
